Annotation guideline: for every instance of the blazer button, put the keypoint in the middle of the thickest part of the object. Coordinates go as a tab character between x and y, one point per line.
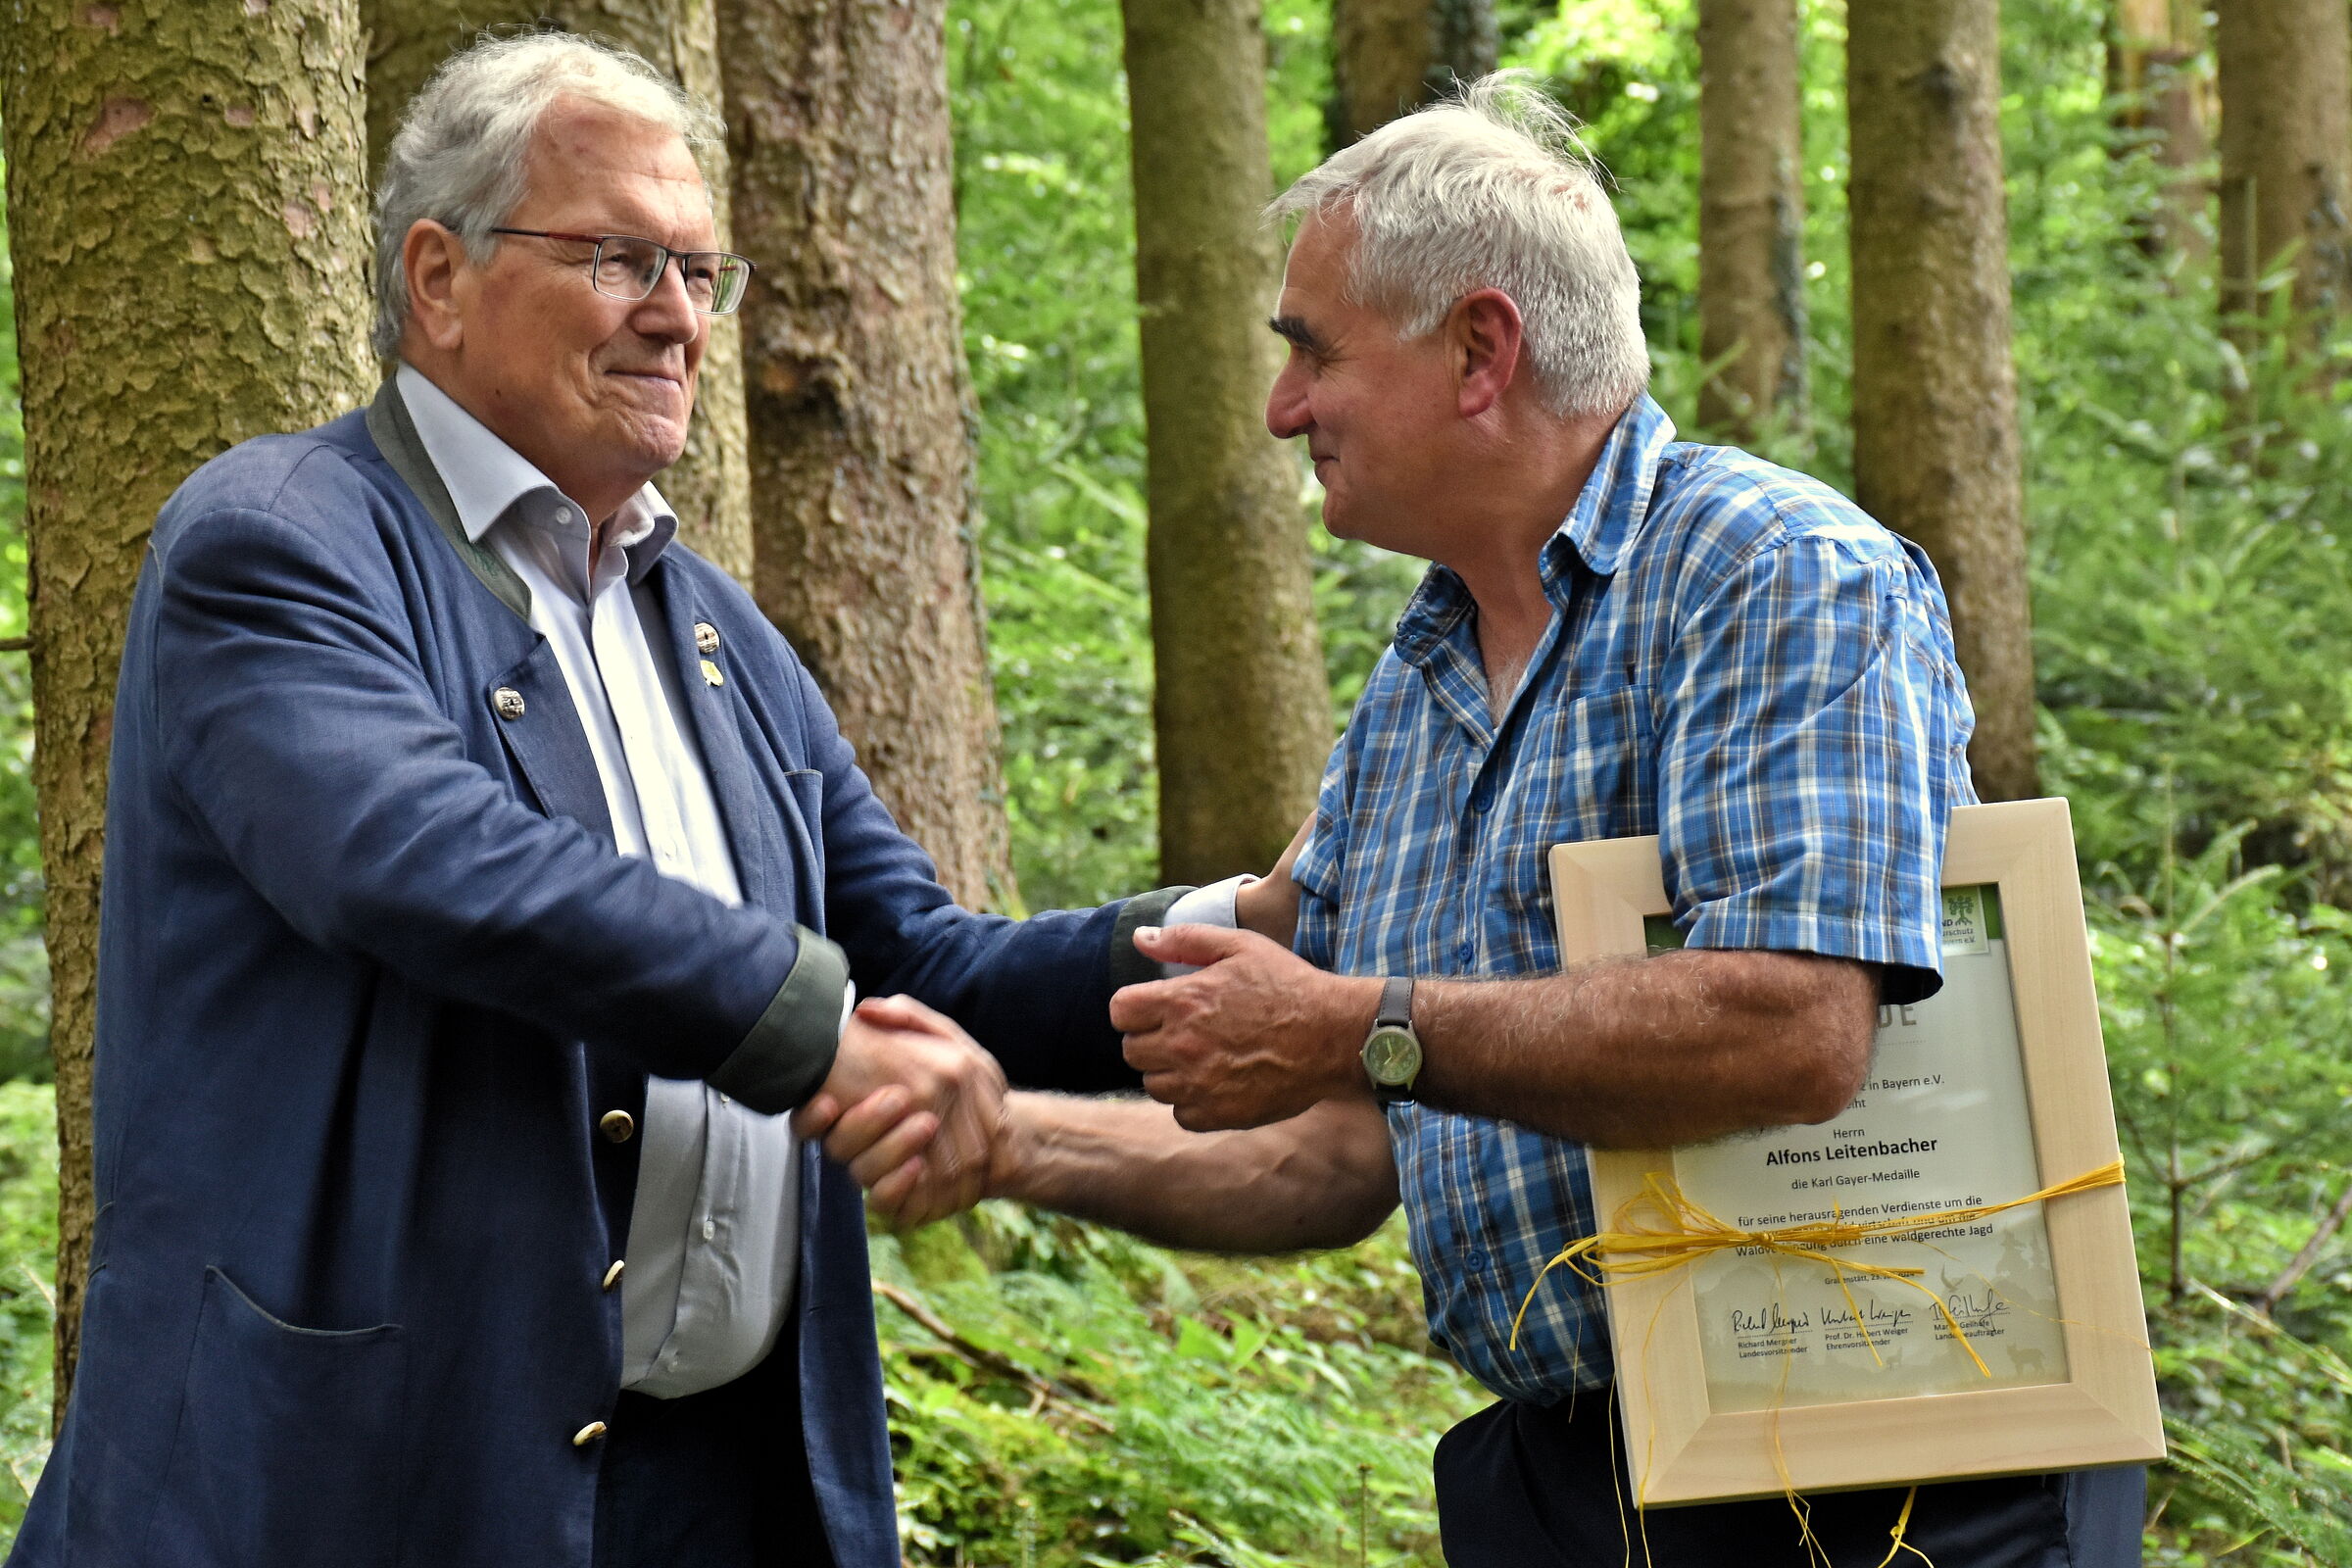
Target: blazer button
508	701
618	1125
587	1434
613	1274
706	638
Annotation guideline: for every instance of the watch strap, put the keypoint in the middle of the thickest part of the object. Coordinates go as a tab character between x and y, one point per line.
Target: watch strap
1395	1013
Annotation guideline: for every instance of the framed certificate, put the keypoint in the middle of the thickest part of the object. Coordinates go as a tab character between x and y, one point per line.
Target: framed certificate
2020	1342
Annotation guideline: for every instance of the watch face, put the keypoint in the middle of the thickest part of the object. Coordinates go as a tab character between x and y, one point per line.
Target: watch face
1393	1056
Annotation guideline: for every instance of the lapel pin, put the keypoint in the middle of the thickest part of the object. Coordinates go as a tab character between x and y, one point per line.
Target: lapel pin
711	673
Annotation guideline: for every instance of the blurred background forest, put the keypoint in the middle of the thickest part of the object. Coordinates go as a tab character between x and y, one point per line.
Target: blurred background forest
1064	1395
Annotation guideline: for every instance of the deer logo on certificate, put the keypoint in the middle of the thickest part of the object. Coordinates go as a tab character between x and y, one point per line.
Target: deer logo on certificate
1940	1123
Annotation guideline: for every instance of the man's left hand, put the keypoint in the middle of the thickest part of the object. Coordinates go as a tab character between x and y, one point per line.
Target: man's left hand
1257	1036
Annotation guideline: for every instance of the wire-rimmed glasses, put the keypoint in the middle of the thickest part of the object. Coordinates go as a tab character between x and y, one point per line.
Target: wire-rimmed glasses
627	267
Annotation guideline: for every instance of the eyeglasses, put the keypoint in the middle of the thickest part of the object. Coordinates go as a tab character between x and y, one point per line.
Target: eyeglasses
627	267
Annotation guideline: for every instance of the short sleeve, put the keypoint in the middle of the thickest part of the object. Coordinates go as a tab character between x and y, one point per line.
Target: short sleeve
1810	725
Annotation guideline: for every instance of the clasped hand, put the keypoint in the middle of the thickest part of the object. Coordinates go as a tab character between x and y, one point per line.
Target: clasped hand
1257	1036
917	1111
913	1107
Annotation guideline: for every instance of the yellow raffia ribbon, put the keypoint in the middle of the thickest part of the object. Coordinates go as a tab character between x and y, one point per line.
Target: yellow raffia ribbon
1682	1232
1686	1232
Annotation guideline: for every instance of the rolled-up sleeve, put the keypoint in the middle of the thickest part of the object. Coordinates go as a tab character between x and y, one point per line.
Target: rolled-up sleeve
1809	724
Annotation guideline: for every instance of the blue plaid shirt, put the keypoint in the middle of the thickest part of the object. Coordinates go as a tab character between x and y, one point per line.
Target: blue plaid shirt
1739	660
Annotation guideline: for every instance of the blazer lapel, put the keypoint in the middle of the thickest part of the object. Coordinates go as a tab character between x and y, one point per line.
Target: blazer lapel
393	432
533	710
758	810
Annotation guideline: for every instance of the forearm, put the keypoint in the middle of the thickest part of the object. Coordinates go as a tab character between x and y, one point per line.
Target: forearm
1322	1179
1654	1052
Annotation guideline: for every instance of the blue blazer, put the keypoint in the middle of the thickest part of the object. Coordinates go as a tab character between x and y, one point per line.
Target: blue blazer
369	974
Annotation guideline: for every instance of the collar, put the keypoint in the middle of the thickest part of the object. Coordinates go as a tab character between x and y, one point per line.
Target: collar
487	479
1608	512
1610	508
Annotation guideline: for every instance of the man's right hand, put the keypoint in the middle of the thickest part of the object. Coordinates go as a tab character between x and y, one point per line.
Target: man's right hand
913	1107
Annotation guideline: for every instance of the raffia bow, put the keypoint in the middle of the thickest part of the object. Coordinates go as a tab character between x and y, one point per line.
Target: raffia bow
1663	1230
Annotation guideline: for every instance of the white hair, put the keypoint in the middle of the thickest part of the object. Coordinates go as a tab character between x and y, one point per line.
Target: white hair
1492	189
462	152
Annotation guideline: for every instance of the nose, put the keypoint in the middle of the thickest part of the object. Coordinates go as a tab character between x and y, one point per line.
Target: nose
1287	406
667	314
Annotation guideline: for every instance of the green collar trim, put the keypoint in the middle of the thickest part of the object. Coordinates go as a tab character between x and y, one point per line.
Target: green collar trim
395	434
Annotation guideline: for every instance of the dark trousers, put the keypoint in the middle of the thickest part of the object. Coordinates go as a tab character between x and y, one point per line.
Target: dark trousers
714	1480
1521	1485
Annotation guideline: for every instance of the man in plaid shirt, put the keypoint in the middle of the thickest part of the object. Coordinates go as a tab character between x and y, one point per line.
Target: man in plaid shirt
1708	648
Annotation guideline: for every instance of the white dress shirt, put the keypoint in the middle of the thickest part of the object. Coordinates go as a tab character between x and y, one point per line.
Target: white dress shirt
714	1235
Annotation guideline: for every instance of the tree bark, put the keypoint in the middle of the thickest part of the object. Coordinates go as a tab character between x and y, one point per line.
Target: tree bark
1243	711
1936	435
2286	73
2152	73
709	487
187	217
1752	215
860	406
1391	56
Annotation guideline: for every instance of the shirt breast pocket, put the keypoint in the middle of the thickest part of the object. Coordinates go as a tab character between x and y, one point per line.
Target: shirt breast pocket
1586	770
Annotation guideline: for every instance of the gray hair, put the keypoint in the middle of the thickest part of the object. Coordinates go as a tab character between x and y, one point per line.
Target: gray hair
1492	189
459	155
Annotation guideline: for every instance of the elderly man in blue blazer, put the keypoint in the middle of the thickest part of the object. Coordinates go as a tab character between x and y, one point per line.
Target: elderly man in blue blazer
485	877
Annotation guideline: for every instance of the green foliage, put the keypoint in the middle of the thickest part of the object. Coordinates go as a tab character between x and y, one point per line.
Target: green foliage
2192	611
27	1256
1047	278
1147	1408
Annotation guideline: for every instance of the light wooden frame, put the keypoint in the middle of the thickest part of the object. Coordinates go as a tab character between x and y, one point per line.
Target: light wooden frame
1683	1451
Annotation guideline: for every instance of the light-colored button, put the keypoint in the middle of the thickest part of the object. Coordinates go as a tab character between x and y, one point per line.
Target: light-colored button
563	516
588	1434
508	701
618	1125
613	1274
710	1229
711	673
706	638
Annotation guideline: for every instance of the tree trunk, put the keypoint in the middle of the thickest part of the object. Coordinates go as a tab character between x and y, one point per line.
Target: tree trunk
1243	711
191	262
1752	215
1391	56
2286	71
709	487
2152	73
860	406
1935	437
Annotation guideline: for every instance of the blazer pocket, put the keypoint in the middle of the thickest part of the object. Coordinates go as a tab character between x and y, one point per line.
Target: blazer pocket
290	1438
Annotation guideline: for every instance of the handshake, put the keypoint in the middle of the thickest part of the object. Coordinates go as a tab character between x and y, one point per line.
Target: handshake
919	1114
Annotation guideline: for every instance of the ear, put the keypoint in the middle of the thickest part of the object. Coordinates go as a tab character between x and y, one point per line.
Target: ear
1485	334
431	256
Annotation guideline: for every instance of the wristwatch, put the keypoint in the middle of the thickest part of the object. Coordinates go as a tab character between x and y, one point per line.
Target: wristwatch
1392	1051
